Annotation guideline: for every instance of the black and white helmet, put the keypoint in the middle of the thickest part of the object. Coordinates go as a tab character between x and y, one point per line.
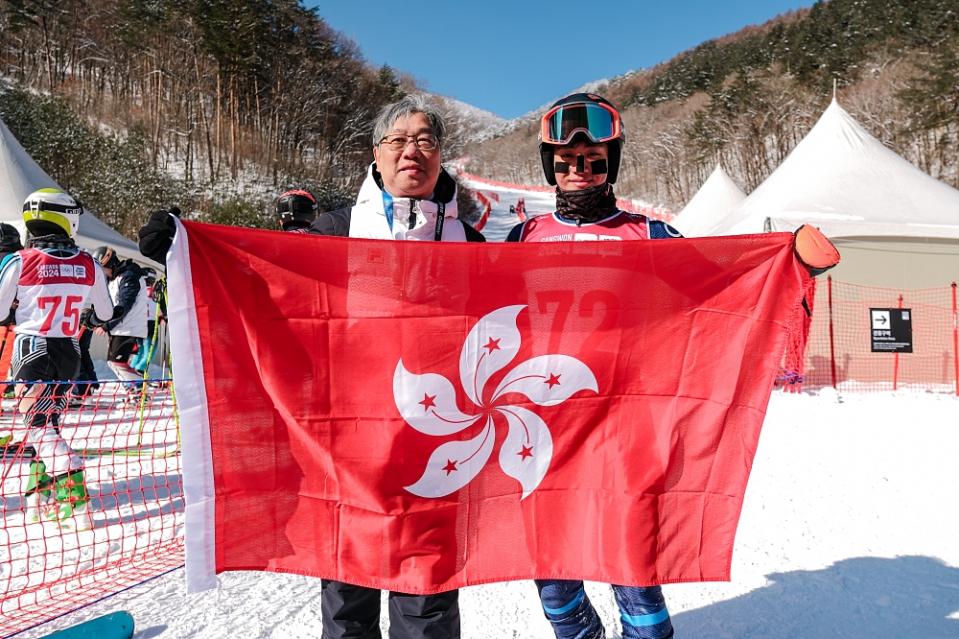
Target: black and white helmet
296	208
585	116
107	257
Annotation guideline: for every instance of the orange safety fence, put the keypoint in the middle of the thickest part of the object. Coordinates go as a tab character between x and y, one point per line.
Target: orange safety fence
838	350
125	436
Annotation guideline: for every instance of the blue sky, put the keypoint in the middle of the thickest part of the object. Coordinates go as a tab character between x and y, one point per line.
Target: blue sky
513	57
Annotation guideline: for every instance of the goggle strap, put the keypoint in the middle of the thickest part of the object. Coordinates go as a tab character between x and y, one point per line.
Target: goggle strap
53	207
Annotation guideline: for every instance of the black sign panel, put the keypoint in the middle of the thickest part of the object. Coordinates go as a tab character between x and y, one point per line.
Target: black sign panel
891	330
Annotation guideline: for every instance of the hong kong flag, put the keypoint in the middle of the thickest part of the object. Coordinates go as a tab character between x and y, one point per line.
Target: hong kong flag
421	416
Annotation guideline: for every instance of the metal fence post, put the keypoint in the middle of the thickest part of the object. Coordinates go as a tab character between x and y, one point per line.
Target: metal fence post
832	341
895	360
955	339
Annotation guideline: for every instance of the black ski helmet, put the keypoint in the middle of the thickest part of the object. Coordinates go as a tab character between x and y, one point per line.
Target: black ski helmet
106	257
613	143
296	207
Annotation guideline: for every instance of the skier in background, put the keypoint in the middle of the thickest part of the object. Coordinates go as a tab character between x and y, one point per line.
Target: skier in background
9	244
141	358
128	290
296	209
52	281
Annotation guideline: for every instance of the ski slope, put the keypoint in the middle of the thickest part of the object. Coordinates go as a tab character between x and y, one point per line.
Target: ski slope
537	200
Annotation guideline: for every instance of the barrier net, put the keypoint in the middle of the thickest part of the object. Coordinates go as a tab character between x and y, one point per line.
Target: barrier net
124	523
839	350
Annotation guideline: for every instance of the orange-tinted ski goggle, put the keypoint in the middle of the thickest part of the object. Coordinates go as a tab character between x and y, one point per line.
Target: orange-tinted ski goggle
600	123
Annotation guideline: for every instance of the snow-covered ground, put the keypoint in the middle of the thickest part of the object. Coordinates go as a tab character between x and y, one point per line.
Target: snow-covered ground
850	529
501	197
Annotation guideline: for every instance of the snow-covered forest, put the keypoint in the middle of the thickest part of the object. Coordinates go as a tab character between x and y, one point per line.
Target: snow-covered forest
746	100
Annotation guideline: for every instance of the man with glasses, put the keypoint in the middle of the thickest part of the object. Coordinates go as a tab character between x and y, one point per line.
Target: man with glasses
407	195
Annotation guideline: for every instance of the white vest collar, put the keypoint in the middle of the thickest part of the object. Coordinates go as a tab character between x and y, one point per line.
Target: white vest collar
369	218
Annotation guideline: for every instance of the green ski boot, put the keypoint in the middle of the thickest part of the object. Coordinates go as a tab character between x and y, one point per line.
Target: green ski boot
38	496
72	498
38	481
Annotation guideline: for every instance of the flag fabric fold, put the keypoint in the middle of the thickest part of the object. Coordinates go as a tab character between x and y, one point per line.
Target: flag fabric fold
422	416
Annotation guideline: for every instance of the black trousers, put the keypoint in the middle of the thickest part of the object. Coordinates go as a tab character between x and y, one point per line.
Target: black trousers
353	612
87	371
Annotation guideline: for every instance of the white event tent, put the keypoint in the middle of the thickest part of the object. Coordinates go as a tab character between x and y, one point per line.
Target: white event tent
894	224
20	175
714	200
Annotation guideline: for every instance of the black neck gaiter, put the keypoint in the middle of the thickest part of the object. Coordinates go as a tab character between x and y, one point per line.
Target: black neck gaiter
587	205
51	242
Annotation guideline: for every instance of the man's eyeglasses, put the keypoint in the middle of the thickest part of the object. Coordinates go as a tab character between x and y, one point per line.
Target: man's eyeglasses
398	142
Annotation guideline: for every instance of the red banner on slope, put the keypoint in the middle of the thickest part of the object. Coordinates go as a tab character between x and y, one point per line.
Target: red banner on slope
423	416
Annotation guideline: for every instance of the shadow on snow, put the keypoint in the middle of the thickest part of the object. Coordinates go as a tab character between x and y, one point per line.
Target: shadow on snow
864	597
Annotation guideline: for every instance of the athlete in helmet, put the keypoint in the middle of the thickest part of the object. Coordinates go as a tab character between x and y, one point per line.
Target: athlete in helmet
141	361
581	143
296	210
53	281
129	329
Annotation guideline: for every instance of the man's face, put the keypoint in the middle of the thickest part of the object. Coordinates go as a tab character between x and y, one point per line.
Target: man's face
578	180
410	172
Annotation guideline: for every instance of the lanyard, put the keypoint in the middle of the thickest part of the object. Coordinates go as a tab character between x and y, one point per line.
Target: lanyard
440	215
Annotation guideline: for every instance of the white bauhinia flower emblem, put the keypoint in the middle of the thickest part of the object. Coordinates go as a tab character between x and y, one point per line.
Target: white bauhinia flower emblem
428	403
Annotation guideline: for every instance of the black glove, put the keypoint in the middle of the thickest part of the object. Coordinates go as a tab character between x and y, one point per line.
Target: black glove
86	318
156	235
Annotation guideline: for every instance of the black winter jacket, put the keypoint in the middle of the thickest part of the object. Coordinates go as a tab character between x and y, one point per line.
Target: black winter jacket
130	273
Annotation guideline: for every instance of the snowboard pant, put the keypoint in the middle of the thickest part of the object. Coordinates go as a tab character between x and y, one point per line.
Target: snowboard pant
353	612
46	359
87	371
568	609
121	348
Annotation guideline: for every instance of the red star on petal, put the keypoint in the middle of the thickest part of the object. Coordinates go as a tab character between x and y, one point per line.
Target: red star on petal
450	466
526	452
492	345
553	380
428	402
